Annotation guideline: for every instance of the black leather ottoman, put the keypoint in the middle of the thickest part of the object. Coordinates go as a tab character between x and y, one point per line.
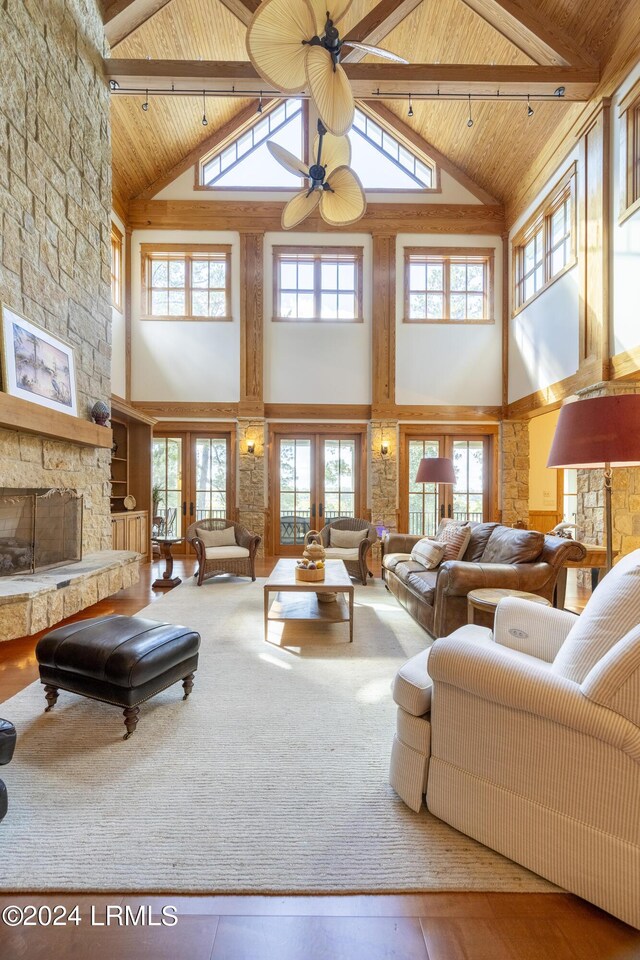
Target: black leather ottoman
119	660
7	746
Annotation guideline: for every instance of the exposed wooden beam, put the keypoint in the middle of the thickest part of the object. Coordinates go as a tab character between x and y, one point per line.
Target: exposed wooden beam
242	9
407	133
539	39
367	79
263	216
122	17
377	25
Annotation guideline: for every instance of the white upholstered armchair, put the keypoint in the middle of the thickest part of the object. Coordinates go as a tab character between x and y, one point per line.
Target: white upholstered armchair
528	739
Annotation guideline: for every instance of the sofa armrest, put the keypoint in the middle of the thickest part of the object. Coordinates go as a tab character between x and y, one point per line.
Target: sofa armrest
531	628
399	542
458	577
514	680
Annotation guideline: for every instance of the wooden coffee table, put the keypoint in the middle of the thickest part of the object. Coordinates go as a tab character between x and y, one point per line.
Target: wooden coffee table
298	600
488	598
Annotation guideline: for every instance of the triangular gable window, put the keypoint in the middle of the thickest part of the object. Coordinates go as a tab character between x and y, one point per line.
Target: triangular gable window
246	161
384	163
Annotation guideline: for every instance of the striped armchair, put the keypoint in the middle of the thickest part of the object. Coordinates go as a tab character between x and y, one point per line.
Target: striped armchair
354	556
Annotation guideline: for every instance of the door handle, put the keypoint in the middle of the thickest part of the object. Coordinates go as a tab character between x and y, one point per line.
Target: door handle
191	509
319	509
449	513
313	511
184	508
442	511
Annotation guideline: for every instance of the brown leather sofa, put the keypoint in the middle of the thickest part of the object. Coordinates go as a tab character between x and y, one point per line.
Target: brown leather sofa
497	556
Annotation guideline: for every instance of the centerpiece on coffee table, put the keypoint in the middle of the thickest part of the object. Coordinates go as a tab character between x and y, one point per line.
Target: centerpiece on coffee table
310	570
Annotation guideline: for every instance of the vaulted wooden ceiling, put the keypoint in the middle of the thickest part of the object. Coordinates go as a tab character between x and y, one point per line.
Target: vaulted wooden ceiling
496	152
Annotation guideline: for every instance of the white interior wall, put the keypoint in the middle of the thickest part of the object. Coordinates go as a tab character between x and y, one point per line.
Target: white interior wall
185	360
118	333
448	364
317	362
625	263
544	337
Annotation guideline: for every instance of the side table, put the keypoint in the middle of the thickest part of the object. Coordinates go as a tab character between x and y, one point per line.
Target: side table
488	598
166	581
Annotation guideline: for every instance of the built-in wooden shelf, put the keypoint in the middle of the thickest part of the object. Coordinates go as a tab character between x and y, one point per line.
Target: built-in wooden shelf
19	414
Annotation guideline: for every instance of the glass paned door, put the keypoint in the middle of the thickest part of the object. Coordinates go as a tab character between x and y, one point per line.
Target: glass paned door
210	459
167	479
295	492
423	497
339	457
468	492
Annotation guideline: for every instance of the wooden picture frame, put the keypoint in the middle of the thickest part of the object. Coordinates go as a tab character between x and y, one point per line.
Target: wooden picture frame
37	366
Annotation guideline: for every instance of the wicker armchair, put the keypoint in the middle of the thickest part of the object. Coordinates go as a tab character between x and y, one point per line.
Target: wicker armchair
238	560
357	566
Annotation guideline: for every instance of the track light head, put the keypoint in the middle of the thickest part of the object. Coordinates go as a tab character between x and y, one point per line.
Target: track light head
529	111
559	92
410	110
470	122
145	105
114	85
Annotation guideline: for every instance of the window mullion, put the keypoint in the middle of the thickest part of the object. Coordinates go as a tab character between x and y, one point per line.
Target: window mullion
187	279
446	273
317	280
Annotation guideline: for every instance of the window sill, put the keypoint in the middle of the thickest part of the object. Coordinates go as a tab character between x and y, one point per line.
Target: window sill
324	320
450	323
523	306
189	319
629	211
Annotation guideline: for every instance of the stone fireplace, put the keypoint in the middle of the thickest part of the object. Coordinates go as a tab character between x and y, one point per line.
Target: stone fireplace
39	529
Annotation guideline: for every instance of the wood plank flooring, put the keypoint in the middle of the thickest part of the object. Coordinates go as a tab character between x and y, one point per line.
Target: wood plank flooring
437	926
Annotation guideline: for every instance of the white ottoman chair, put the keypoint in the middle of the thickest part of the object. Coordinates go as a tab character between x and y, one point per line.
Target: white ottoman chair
411	748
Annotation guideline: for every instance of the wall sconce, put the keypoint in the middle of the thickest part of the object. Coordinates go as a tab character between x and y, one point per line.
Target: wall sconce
251	446
384	448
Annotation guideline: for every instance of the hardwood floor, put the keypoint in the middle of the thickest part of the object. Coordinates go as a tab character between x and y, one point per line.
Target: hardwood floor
438	926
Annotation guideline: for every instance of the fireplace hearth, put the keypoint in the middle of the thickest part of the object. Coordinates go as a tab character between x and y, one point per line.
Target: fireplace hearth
39	529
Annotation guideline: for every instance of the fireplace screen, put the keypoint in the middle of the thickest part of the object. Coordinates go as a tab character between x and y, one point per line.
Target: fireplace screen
39	529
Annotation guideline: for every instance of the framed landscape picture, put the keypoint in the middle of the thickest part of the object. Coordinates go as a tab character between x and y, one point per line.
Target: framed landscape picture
37	366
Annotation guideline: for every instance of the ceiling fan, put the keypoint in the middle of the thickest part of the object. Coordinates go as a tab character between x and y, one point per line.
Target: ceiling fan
295	44
333	186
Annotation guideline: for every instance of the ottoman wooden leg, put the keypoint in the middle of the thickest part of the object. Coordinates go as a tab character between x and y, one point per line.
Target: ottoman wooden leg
51	693
130	720
187	685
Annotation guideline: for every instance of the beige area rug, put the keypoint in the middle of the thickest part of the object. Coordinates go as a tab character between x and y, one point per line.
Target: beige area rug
271	778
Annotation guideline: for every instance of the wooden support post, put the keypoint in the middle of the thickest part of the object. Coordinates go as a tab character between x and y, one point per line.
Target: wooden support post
251	324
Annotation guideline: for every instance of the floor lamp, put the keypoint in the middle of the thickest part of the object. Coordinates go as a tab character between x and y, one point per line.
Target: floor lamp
436	470
598	434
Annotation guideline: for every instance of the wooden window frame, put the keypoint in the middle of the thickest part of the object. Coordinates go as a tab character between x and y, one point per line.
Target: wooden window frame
116	268
190	252
317	255
629	116
564	190
447	256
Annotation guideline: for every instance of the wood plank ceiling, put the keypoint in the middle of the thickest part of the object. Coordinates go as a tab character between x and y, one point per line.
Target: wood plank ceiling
496	151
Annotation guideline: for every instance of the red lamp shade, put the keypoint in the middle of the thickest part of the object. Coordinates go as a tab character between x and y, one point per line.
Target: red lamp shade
599	431
435	470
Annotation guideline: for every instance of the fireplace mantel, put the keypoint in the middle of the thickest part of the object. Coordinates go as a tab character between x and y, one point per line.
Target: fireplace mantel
18	414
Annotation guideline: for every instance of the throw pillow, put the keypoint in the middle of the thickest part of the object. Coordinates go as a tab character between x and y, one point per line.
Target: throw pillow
455	537
428	552
509	545
480	533
612	610
346	539
217	538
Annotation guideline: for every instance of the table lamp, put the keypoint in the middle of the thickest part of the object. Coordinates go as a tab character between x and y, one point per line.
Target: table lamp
598	434
436	470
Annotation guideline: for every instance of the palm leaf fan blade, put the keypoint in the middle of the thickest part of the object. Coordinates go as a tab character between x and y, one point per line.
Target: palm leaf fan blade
336	11
345	202
377	51
299	208
274	42
287	160
330	90
336	152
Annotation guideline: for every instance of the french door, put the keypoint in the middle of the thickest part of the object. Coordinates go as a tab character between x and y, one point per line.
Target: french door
192	480
423	505
316	477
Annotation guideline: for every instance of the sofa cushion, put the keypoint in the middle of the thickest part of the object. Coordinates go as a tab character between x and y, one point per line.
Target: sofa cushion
455	537
391	560
226	553
480	533
428	552
346	539
217	538
612	610
412	686
424	584
406	567
509	545
339	553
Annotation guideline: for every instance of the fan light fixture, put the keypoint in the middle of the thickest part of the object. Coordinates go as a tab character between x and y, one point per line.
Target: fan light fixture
295	44
333	186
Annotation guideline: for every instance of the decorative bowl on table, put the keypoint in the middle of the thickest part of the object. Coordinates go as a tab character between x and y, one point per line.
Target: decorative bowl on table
310	571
